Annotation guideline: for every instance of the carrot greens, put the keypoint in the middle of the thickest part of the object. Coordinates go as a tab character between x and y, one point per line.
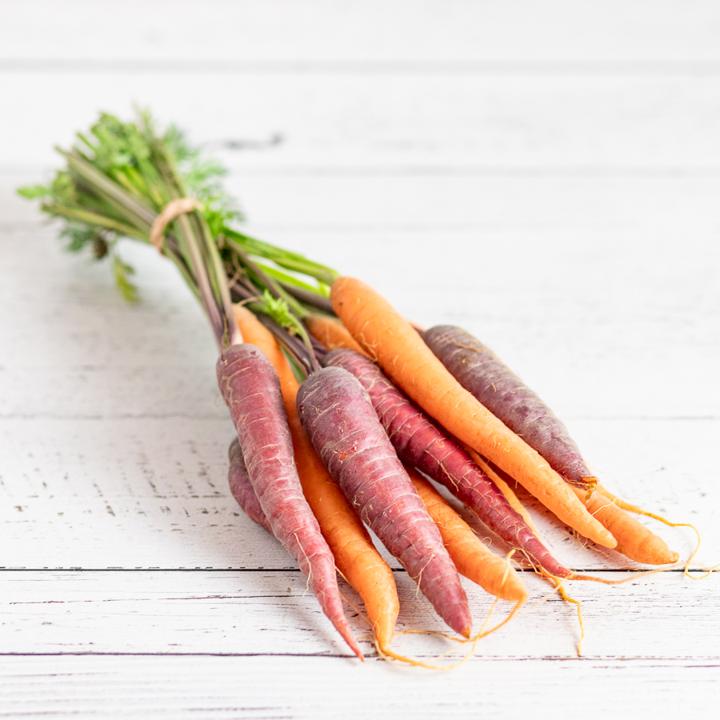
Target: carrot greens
118	179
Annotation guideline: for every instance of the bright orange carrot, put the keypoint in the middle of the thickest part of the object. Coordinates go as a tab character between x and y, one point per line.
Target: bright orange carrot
397	347
355	555
331	333
634	540
471	556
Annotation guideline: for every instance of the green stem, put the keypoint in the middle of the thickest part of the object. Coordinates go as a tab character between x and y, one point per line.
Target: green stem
268	282
284	258
311	299
91	218
107	187
219	273
285	278
189	246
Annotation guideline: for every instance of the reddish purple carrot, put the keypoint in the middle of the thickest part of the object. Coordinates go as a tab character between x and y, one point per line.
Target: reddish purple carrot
344	429
423	444
241	488
484	375
252	392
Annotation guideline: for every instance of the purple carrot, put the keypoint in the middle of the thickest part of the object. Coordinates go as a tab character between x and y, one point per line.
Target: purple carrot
252	392
344	429
423	444
484	375
241	489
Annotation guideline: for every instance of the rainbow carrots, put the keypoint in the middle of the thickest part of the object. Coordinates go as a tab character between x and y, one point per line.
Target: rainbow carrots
355	555
422	444
347	435
252	393
401	352
484	375
316	462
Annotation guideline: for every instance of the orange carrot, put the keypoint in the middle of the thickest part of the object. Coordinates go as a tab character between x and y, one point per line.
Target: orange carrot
471	556
331	333
355	555
397	347
634	540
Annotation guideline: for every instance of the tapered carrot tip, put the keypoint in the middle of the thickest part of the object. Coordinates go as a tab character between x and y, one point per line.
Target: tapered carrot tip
350	640
602	536
337	618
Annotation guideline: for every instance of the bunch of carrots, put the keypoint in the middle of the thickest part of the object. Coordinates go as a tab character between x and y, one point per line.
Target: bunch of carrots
347	415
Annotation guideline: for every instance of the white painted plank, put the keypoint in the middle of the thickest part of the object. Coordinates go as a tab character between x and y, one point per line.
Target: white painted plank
277	688
460	34
477	124
272	613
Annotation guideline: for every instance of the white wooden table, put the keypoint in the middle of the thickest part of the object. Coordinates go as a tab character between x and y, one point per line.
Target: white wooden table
547	175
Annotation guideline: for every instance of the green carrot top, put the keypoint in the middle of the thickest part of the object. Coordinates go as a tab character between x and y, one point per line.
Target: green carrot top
128	180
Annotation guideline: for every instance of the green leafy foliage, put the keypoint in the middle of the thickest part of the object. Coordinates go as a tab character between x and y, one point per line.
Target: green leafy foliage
115	145
122	272
202	177
278	310
34	192
79	236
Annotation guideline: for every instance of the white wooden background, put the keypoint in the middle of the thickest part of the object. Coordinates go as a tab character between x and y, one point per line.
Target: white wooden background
547	174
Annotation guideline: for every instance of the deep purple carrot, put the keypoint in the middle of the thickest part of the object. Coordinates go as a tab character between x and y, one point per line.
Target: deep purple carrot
252	392
240	487
423	444
505	395
344	429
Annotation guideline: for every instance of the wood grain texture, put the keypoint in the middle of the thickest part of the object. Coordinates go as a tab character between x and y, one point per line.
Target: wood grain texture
546	175
250	688
273	613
